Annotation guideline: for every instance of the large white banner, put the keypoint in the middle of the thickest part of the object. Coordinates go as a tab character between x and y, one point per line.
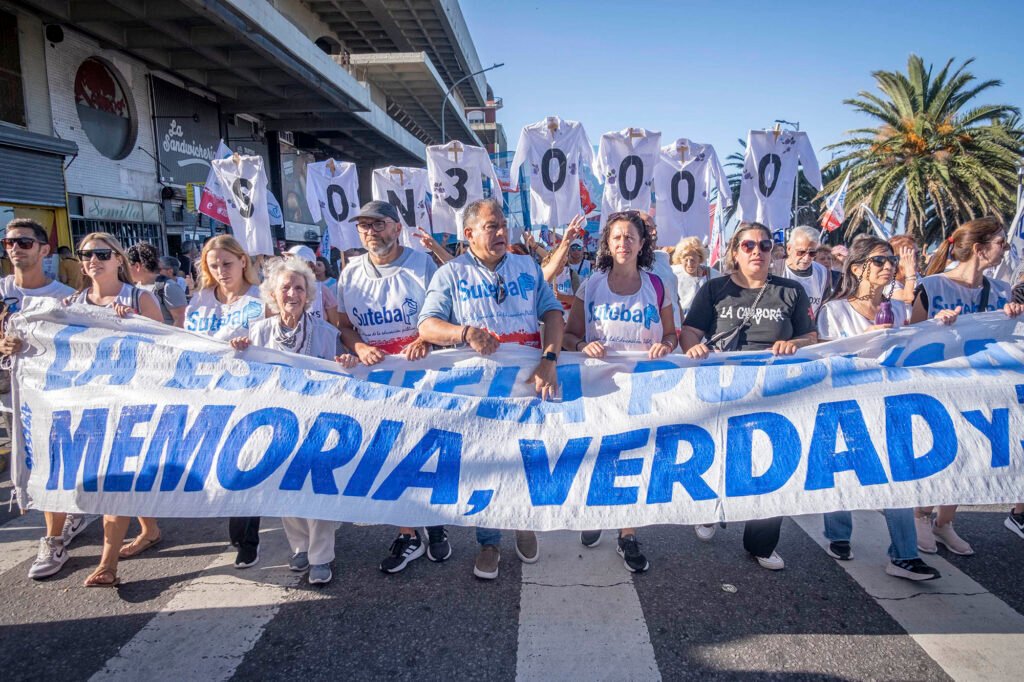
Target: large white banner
136	418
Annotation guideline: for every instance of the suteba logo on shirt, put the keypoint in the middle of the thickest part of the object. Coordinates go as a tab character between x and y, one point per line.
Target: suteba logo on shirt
202	321
619	312
373	317
521	286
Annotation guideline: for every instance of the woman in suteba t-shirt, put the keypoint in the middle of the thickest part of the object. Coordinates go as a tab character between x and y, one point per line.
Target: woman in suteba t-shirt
225	306
774	314
868	273
976	245
622	306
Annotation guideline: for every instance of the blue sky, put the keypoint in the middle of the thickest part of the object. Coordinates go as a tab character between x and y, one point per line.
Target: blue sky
712	70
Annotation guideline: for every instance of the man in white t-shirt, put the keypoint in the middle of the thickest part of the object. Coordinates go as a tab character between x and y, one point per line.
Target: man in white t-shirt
801	266
578	262
380	295
28	245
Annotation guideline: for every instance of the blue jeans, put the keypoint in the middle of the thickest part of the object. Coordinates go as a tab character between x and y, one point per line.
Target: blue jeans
488	536
902	535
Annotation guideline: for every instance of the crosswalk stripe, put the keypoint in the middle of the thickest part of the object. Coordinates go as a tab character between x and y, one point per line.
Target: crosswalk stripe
964	628
208	627
577	605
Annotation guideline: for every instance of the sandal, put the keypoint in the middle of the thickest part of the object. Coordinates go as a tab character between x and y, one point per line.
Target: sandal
137	546
103	577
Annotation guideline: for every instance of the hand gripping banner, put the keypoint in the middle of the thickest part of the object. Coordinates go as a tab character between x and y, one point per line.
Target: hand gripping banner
135	418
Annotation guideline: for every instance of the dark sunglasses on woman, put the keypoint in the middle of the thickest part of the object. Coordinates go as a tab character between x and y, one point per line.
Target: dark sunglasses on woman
880	261
764	246
101	254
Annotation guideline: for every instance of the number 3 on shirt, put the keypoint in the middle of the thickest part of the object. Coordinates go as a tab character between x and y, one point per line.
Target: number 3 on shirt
461	177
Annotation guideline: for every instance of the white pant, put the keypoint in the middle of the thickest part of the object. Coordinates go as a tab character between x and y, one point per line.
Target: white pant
312	536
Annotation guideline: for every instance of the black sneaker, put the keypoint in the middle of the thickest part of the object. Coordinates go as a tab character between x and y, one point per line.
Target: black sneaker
404	549
438	547
1015	522
840	549
590	538
629	549
247	556
911	569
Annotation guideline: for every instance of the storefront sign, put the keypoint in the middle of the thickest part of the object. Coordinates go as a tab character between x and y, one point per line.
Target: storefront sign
102	208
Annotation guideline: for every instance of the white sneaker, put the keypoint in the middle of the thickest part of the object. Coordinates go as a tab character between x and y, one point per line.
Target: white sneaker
953	542
51	558
772	563
74	524
925	535
705	533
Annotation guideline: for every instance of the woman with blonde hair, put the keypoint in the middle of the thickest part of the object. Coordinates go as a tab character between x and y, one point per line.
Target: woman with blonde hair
288	290
228	299
689	262
227	303
975	245
108	284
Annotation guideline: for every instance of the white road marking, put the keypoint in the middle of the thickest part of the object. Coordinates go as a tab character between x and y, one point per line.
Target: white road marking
208	627
964	628
578	605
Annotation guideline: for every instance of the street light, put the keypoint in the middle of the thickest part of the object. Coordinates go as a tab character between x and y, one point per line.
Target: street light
444	102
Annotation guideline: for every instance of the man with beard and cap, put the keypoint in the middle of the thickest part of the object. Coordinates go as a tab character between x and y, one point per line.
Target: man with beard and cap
380	295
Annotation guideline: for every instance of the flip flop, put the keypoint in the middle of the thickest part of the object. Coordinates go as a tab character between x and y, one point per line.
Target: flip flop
137	546
94	579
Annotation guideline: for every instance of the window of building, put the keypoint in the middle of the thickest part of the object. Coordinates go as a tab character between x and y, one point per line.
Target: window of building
12	96
105	109
476	116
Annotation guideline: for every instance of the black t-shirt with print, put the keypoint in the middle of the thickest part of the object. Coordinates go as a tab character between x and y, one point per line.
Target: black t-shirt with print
783	313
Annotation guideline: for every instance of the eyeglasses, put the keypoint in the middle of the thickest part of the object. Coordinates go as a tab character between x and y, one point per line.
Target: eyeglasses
800	253
576	248
23	243
500	290
764	246
101	254
880	261
375	226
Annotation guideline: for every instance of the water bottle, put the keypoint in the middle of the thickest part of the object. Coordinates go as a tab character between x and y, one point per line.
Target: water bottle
884	314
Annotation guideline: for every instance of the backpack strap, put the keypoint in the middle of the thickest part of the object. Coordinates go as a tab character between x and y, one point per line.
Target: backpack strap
136	296
986	289
659	289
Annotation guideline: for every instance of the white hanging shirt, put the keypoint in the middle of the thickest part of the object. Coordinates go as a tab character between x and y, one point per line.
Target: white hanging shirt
682	187
626	167
455	182
407	192
838	319
206	315
245	191
334	197
816	284
619	322
769	174
945	294
553	159
384	306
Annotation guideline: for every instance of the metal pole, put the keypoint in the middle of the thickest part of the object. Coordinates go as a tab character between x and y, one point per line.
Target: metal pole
444	102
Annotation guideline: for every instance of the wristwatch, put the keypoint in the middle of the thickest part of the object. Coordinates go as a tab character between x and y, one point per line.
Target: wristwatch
550	356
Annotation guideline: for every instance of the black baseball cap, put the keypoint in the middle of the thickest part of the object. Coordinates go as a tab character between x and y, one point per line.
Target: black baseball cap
378	210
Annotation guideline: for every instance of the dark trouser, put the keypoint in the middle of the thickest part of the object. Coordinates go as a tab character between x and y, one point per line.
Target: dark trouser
244	531
761	537
435	529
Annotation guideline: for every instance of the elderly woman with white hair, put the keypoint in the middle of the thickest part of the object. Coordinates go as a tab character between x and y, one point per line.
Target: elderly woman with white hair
286	289
689	262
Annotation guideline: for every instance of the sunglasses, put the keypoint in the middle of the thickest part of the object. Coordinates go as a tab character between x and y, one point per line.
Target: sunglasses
800	253
576	248
23	243
880	261
500	290
101	254
764	246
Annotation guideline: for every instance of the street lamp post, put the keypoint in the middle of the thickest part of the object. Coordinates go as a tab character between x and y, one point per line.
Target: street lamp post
444	102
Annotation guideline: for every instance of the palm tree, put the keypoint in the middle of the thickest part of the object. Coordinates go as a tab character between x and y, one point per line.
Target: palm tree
936	156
